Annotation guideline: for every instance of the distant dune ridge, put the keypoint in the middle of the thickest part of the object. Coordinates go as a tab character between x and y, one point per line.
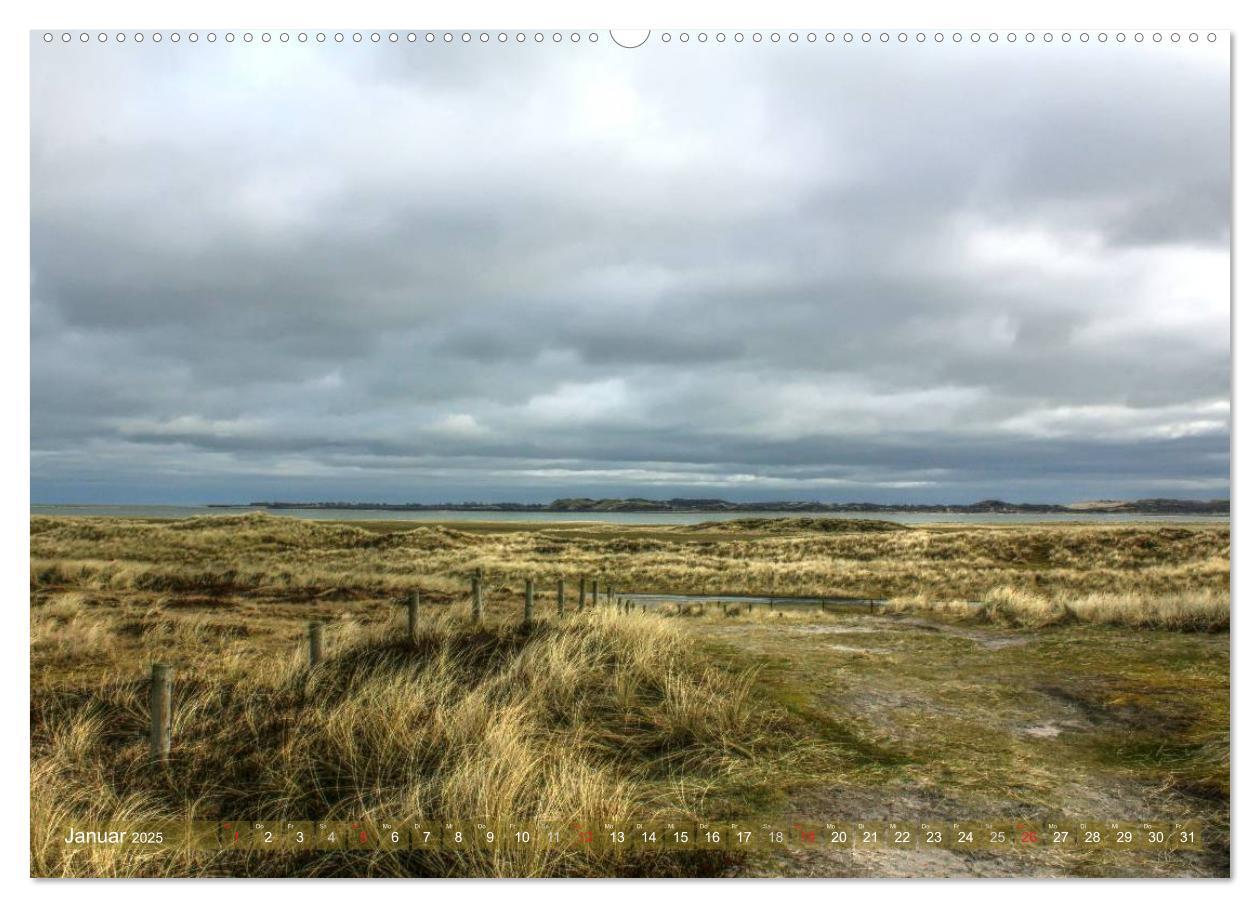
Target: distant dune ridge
704	505
773	525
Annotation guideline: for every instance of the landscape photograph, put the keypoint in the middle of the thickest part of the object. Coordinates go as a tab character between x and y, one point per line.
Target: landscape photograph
587	455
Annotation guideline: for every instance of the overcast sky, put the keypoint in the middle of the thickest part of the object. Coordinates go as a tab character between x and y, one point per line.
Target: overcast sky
432	273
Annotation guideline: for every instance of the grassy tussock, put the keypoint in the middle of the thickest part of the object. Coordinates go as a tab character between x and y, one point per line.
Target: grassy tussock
597	715
1203	610
1198	610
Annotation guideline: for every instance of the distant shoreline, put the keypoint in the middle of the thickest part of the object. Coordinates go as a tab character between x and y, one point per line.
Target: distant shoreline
1213	507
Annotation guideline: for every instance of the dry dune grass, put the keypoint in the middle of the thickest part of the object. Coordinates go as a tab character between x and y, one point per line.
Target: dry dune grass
1200	610
593	716
260	554
1196	610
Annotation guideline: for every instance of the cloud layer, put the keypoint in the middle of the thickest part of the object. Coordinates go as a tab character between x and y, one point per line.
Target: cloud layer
411	272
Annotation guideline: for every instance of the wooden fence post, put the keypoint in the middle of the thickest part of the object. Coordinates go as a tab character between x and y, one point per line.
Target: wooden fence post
582	594
160	712
560	597
476	597
315	633
595	594
529	600
413	615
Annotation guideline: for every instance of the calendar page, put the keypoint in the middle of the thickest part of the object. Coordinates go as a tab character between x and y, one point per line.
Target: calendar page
580	453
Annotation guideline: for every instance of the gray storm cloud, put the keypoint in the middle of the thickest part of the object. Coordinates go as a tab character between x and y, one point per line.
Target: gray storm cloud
413	272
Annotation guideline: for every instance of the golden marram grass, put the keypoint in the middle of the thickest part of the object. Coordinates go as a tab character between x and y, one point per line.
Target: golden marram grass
257	553
596	716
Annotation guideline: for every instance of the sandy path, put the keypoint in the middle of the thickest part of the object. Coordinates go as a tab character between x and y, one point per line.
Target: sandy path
991	728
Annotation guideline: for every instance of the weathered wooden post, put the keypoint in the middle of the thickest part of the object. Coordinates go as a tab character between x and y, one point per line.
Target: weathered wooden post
160	712
413	615
560	597
581	594
476	597
529	600
750	605
315	635
595	594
